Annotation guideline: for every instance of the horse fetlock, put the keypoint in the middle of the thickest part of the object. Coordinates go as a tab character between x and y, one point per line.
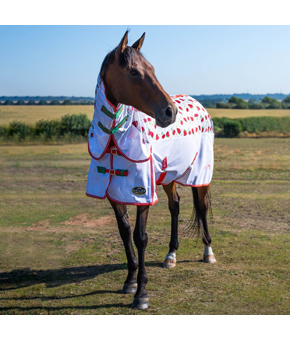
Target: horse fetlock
170	260
129	288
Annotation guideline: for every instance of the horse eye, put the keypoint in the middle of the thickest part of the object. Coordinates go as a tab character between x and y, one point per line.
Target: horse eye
134	73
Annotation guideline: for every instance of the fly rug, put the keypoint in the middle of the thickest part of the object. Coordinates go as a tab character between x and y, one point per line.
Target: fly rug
131	153
145	154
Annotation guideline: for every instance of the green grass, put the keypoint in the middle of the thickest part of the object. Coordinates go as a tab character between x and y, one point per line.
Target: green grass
61	252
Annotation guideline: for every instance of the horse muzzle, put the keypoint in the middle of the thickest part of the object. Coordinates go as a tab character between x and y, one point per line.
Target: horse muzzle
167	117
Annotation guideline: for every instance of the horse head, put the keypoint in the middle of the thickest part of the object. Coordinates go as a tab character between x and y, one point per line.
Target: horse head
130	79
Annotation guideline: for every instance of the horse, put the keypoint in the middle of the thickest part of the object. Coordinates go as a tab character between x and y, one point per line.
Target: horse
128	97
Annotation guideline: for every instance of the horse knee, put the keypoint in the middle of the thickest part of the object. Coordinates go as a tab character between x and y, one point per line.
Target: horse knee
140	239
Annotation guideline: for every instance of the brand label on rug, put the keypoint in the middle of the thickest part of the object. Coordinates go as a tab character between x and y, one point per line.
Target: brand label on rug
139	191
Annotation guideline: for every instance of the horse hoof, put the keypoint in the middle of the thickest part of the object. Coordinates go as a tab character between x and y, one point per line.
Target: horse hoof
140	303
169	263
129	288
209	259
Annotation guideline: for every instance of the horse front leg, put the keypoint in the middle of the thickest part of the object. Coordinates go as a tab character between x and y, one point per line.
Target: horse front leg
130	285
173	204
141	300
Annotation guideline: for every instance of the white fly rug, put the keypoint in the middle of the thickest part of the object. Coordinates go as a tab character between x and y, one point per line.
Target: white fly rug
144	154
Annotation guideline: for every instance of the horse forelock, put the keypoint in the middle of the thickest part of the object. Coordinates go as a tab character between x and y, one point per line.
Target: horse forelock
129	57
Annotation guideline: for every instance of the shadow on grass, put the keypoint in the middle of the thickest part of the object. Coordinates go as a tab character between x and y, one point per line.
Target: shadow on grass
62	308
20	278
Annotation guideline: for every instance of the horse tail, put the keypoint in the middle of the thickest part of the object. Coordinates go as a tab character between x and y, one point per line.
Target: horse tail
201	205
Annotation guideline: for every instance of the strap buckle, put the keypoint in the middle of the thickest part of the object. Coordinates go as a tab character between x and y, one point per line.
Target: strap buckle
114	151
112	172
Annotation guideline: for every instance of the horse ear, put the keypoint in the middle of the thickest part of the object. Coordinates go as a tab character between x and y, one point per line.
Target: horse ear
138	44
123	43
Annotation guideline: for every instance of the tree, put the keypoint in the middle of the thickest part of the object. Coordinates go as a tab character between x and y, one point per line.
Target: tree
272	103
54	102
67	102
287	99
8	102
42	102
31	102
20	102
239	103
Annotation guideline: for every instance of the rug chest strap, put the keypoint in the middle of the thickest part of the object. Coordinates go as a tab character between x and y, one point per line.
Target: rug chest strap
118	172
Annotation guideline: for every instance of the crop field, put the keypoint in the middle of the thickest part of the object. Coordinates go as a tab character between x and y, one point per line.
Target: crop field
61	252
32	114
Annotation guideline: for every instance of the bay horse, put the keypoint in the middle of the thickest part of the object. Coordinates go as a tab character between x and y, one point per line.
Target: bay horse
136	128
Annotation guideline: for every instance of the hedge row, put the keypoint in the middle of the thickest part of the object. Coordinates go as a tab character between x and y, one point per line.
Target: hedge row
226	127
69	127
75	128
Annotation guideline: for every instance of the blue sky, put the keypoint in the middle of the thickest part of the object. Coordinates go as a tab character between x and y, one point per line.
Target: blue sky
65	60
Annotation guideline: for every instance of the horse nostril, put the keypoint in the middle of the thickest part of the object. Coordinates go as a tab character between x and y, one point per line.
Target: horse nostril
169	112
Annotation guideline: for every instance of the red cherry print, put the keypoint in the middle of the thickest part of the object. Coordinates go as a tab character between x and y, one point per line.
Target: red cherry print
203	109
151	134
145	120
185	133
199	127
155	126
180	107
178	130
181	122
163	136
173	132
167	134
135	123
149	119
205	117
189	132
143	129
192	130
196	129
185	119
191	106
178	101
202	119
187	109
157	137
195	115
191	118
198	108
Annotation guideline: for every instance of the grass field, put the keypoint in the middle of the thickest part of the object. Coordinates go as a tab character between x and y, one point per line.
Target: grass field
61	252
32	114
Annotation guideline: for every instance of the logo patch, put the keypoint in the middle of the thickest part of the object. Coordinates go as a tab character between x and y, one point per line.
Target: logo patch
139	191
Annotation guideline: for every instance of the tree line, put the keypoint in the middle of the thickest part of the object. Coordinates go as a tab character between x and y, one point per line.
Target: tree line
266	103
44	102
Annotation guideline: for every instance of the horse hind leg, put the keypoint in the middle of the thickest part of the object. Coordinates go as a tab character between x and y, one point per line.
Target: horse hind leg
130	285
173	204
201	203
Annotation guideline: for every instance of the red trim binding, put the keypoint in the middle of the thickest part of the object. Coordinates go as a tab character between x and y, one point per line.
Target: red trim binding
152	178
129	203
192	185
161	178
98	158
93	196
122	153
